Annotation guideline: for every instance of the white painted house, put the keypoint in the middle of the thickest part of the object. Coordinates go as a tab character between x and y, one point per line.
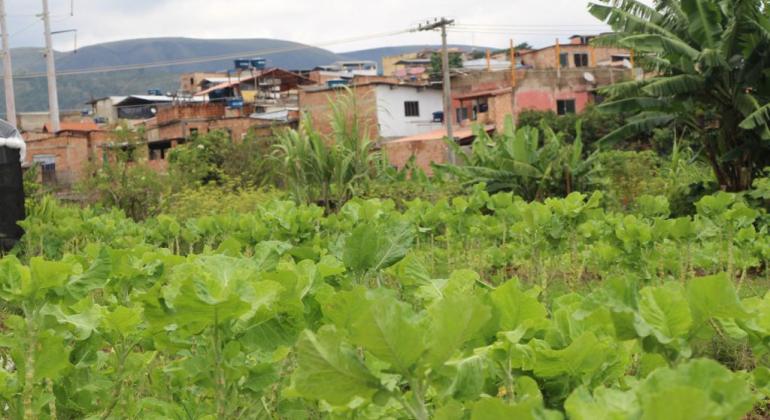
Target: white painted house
391	109
407	110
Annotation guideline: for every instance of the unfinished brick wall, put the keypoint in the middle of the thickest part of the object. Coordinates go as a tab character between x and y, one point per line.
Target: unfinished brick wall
206	111
317	105
71	153
424	151
547	58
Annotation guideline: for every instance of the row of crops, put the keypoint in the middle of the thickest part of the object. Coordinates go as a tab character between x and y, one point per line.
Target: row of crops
481	307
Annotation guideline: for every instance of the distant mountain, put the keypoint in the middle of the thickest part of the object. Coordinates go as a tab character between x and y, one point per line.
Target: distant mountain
75	91
376	54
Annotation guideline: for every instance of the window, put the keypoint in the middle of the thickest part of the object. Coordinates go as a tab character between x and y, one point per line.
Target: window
462	114
564	60
412	109
565	106
193	132
581	60
47	168
158	150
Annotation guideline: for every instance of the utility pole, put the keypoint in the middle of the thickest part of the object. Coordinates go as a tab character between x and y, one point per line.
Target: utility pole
443	23
10	99
53	94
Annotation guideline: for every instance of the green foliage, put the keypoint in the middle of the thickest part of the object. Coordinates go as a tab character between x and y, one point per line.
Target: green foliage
215	158
709	78
595	124
437	68
328	170
516	160
569	310
123	180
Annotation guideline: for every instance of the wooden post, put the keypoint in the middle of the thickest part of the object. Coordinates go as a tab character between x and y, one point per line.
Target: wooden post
592	52
513	65
489	60
632	59
558	58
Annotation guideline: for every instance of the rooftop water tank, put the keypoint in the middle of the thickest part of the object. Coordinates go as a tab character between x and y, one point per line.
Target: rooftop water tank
12	151
336	83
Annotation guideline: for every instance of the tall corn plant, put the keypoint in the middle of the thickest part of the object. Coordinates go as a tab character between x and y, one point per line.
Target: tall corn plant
327	169
519	160
709	59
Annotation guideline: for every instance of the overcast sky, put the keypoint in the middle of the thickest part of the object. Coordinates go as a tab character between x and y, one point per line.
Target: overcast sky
485	23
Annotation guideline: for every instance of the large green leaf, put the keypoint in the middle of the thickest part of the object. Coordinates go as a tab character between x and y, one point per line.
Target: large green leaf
636	127
51	356
758	118
373	247
705	21
328	369
453	321
683	84
699	389
603	404
587	359
514	308
495	409
665	311
96	277
390	330
714	297
216	289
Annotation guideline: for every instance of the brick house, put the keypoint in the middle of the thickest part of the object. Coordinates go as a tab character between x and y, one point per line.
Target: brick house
486	97
64	156
577	53
387	109
175	124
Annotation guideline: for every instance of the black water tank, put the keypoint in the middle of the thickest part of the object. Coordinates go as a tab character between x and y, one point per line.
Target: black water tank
11	197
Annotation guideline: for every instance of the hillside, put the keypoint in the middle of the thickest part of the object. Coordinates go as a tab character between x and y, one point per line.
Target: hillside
74	91
376	54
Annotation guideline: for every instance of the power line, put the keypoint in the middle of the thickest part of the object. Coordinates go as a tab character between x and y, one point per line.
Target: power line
493	25
206	59
511	32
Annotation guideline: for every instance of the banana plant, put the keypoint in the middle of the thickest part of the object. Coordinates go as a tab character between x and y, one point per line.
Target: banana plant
709	66
518	160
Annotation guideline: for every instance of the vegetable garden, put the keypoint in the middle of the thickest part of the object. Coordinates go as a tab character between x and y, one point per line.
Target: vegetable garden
379	293
481	306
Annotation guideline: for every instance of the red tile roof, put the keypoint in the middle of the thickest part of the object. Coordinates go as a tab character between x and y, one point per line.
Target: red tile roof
85	126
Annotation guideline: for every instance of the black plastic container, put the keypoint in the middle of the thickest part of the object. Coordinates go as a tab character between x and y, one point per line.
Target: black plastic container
11	197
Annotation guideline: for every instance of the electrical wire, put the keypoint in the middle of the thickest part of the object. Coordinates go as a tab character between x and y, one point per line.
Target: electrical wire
206	59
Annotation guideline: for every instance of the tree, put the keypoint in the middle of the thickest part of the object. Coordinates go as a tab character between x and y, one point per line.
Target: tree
123	179
709	61
455	61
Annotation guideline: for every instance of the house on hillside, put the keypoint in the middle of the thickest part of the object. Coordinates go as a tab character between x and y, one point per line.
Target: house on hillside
64	156
543	82
175	124
386	108
578	53
104	110
191	83
265	90
343	70
140	107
